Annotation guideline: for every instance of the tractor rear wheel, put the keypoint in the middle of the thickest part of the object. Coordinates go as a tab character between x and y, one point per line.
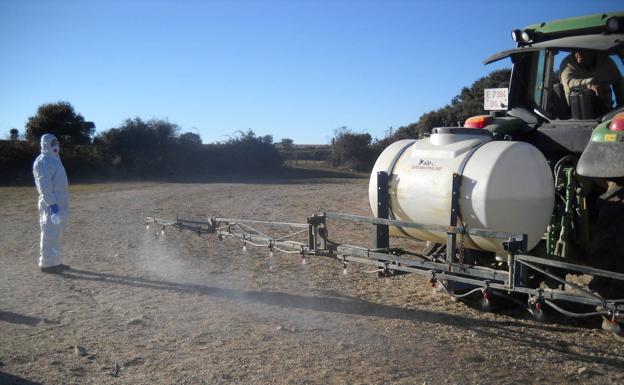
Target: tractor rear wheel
608	249
608	246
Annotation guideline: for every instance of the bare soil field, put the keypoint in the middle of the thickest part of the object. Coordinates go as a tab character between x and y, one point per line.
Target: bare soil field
183	309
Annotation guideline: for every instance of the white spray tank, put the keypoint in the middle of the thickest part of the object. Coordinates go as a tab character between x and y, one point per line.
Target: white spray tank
505	186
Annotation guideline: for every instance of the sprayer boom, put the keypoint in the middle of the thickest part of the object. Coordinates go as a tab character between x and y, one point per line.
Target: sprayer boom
456	278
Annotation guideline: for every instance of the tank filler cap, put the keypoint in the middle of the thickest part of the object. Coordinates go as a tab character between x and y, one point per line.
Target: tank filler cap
455	135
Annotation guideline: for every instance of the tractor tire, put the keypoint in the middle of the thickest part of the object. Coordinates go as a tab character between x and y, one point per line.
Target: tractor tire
608	247
608	254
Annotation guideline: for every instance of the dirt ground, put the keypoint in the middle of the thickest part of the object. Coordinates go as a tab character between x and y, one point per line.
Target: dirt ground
183	309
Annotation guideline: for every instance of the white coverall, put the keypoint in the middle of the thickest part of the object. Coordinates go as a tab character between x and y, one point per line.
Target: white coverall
51	182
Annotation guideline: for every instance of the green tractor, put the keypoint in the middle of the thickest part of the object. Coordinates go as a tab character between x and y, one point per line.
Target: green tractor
580	134
548	163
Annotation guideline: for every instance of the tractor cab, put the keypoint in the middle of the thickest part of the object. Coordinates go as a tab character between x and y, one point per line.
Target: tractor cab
543	111
536	84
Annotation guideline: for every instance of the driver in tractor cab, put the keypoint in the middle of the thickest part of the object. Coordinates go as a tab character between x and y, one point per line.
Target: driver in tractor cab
593	74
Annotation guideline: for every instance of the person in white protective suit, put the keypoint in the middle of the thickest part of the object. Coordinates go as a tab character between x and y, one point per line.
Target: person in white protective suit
51	182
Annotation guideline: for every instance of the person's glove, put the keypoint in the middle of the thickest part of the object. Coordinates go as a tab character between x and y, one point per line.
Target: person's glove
54	215
53	209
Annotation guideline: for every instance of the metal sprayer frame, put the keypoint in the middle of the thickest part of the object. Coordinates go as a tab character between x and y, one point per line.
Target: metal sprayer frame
445	271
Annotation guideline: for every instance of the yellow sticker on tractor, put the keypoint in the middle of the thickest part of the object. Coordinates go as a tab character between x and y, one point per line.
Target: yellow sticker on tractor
610	137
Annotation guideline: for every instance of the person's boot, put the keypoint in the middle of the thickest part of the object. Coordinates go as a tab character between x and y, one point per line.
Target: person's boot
52	269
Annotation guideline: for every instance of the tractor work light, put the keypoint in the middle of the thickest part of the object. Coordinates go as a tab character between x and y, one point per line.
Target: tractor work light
523	37
617	124
527	36
479	121
613	24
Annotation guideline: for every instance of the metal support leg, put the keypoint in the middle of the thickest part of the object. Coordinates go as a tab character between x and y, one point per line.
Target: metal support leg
311	238
315	240
451	244
517	271
521	272
381	235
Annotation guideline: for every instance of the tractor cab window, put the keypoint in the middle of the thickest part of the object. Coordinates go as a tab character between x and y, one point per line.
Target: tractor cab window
532	80
538	86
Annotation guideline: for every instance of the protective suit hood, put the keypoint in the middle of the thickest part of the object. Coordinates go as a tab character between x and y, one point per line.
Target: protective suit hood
46	143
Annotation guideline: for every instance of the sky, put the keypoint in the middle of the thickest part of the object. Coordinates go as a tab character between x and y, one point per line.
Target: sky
295	69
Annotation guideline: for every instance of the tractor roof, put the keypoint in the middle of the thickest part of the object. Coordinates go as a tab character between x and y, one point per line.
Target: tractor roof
602	32
606	43
574	25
